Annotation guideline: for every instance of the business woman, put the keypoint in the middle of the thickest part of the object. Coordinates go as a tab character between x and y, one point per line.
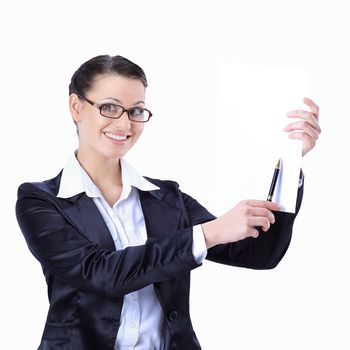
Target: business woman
117	248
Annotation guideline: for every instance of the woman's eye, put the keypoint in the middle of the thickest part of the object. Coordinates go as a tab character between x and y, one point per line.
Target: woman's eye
109	108
134	112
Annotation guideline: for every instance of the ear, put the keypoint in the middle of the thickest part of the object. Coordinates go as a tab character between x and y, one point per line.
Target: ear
75	107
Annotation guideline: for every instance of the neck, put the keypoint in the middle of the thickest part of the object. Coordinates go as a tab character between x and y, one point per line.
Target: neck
101	170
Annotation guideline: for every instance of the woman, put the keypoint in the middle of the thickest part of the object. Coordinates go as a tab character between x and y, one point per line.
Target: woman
117	248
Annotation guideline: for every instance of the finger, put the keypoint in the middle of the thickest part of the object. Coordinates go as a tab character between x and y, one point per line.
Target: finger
262	212
256	221
313	106
304	127
253	232
300	113
308	142
307	116
263	204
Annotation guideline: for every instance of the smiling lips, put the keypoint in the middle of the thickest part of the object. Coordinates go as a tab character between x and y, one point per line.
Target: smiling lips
117	137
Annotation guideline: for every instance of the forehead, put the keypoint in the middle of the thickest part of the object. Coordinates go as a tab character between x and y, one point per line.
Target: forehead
117	86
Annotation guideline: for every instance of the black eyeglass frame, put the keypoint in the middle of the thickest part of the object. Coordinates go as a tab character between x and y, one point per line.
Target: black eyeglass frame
99	107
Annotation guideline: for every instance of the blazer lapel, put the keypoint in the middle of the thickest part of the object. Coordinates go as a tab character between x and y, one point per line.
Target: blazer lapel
162	217
83	213
162	214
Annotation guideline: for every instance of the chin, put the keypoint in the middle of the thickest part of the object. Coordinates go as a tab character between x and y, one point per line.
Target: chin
113	154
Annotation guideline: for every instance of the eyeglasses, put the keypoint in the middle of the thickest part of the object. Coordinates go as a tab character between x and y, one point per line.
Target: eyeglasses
111	110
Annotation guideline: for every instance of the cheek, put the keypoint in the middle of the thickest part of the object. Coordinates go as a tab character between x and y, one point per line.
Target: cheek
91	126
95	124
138	129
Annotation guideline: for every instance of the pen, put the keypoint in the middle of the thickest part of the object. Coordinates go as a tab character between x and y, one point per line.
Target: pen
274	181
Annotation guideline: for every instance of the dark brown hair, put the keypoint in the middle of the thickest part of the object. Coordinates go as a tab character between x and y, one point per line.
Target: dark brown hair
83	79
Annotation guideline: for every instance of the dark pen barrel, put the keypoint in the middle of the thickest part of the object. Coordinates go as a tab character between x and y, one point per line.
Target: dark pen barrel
274	181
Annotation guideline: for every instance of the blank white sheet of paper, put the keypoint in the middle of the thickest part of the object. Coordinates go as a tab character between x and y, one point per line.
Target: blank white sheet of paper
249	136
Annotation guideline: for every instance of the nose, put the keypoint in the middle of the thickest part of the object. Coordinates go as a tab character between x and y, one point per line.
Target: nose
123	121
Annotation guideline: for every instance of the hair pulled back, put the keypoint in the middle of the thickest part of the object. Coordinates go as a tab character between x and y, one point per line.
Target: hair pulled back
83	79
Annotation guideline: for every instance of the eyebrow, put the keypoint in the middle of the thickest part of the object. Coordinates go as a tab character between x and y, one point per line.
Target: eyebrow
118	101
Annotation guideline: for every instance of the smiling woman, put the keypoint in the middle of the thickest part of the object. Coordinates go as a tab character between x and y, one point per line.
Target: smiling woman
117	248
102	127
101	90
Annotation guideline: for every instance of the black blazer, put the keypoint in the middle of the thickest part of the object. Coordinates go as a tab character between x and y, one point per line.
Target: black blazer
87	277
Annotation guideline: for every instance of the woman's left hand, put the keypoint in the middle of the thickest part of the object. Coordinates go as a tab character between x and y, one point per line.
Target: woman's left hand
307	130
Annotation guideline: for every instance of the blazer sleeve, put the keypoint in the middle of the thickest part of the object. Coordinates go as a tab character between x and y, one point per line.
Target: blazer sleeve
264	252
72	258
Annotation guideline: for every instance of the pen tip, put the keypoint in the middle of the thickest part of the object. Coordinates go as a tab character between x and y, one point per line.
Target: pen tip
278	164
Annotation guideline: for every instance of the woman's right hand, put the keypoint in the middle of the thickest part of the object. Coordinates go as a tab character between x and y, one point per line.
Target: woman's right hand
240	222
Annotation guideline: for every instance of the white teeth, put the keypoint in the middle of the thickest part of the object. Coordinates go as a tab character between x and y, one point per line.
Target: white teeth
116	137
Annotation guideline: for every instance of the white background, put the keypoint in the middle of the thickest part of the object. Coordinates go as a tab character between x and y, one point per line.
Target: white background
304	302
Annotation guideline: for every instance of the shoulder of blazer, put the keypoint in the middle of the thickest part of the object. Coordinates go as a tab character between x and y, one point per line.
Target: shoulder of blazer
165	185
50	186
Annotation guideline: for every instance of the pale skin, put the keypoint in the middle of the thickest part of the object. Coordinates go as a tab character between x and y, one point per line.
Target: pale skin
99	154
